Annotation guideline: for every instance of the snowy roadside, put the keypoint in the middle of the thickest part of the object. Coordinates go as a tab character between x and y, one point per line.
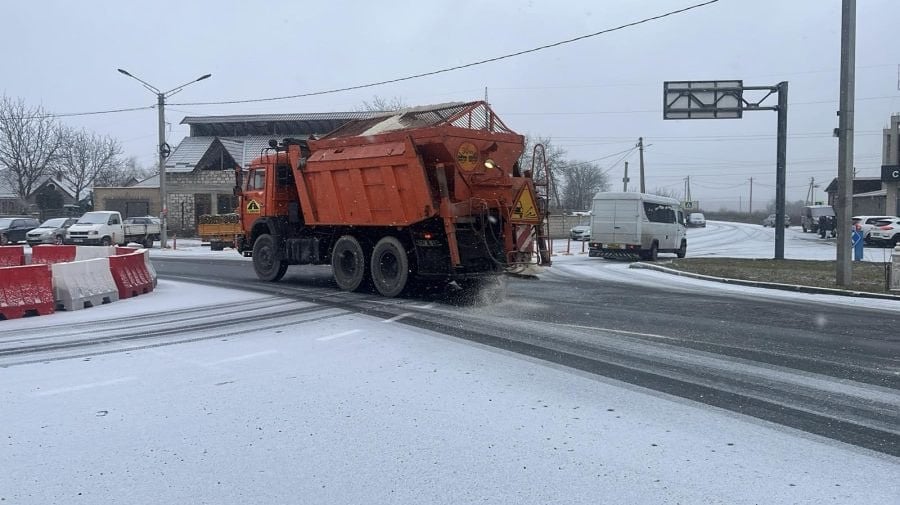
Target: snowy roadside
344	408
723	240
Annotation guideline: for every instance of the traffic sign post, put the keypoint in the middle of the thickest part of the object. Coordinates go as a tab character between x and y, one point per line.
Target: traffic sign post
729	100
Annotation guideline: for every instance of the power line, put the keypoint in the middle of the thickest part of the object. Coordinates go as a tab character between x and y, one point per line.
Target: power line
89	113
457	67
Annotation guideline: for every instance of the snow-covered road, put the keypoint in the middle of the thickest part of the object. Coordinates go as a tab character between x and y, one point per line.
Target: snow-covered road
336	407
723	240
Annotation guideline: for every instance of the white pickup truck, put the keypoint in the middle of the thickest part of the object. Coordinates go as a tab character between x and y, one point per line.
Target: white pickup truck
106	227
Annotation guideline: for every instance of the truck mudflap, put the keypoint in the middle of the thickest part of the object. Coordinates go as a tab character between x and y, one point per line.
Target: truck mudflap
619	251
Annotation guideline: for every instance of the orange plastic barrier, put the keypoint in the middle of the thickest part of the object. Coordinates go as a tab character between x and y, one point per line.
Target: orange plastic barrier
50	254
12	255
26	290
131	274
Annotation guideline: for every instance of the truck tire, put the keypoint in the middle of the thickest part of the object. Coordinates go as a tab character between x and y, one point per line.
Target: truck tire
652	254
682	251
348	262
267	259
148	242
105	241
390	267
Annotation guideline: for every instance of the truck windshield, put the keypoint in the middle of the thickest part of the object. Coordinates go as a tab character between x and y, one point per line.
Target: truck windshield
257	179
90	218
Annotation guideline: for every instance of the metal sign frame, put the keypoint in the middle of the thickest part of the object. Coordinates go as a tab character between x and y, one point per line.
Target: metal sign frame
727	100
703	99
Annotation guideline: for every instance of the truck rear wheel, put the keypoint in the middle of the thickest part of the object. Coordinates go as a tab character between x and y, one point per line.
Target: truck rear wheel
267	259
348	262
389	267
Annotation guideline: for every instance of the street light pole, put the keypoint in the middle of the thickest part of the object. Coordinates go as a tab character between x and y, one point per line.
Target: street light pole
162	148
161	151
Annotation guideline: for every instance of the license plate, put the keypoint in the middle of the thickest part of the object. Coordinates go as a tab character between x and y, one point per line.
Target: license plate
77	240
615	246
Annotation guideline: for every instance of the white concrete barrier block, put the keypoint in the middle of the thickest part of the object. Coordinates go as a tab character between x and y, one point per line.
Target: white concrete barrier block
86	252
83	284
150	268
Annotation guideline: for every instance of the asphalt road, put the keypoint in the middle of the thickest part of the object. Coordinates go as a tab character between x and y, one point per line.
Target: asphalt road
829	370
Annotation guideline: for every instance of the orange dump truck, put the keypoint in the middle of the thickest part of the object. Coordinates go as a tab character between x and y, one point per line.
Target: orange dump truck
425	195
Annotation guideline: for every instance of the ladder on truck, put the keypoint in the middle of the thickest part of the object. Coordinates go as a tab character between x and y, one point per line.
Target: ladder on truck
542	180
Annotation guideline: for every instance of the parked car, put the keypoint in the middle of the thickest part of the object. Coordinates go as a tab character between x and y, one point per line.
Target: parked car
866	223
770	221
14	228
885	232
809	216
107	228
51	231
580	232
696	219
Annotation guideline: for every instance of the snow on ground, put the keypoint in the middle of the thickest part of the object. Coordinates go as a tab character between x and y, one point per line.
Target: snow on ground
724	240
739	240
351	409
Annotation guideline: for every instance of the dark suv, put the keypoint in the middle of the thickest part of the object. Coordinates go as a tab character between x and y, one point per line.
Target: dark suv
14	228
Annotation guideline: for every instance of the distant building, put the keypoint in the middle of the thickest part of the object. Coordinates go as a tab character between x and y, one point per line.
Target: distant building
200	171
890	161
10	202
868	196
878	195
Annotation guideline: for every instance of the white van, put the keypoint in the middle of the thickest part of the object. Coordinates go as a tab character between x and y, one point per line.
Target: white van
636	224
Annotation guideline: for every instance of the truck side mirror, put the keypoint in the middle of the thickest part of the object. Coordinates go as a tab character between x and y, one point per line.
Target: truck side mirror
236	190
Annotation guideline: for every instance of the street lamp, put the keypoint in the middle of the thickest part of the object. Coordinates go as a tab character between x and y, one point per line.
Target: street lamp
164	149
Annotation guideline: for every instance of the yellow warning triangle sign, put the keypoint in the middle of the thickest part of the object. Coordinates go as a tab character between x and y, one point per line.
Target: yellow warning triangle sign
525	208
252	207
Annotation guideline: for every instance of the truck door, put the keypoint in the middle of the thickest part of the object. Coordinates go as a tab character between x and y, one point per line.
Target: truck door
254	196
115	229
626	224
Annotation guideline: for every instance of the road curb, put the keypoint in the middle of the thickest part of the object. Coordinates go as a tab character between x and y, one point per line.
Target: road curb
769	285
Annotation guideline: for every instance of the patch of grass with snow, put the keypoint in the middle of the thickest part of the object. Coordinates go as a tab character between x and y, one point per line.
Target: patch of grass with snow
867	276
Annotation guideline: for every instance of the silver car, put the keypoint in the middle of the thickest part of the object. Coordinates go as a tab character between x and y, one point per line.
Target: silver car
51	231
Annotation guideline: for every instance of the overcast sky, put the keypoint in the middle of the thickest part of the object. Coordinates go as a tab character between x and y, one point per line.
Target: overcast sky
594	97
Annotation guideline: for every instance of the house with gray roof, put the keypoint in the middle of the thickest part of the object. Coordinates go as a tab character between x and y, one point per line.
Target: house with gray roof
200	170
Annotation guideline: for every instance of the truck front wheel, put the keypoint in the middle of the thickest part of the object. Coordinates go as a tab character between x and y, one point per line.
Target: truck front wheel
267	259
390	267
348	262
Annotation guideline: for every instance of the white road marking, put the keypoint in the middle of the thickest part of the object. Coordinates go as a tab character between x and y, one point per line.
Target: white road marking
241	358
338	335
623	332
82	387
429	306
397	318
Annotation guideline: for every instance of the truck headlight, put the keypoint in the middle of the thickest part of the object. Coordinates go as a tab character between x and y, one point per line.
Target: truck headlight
93	232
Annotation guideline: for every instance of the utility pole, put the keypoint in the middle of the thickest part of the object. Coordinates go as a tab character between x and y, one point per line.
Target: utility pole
844	210
751	196
811	192
687	189
163	151
781	169
625	179
641	149
163	148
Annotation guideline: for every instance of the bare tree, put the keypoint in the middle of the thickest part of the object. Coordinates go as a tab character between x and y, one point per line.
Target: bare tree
86	156
582	181
381	104
124	173
667	192
30	140
555	157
